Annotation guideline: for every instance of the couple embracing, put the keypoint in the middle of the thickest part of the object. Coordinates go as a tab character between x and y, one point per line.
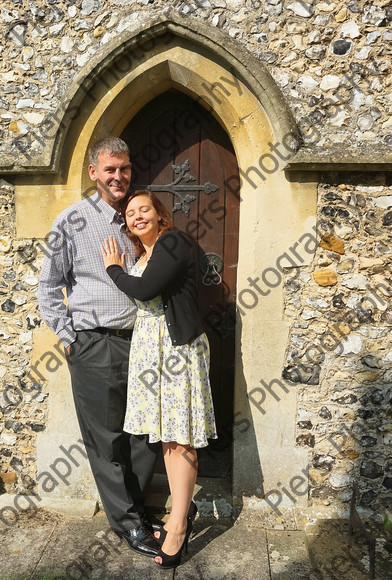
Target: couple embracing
131	284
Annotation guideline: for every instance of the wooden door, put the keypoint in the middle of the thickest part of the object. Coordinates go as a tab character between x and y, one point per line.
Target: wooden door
179	150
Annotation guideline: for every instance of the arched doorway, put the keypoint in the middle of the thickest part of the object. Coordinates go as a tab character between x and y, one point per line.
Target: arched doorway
204	63
180	151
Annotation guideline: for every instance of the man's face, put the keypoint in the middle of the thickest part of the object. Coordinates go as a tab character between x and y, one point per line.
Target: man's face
113	176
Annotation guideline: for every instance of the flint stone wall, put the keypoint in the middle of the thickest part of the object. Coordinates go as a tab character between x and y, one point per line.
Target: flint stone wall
340	343
23	408
333	65
332	62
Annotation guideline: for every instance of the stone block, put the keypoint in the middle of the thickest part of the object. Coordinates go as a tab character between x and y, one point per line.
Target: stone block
325	277
332	243
9	477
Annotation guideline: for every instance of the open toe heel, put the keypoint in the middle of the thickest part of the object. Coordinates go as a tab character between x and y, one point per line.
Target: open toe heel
175	560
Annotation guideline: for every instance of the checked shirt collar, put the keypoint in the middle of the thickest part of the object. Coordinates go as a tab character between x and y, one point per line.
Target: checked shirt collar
109	211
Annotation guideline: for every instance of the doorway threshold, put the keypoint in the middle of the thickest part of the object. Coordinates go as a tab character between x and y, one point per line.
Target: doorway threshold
213	496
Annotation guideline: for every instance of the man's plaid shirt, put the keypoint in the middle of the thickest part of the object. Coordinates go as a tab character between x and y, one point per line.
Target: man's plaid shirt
73	261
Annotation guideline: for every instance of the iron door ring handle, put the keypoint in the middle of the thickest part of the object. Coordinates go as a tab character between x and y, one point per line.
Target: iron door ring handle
211	265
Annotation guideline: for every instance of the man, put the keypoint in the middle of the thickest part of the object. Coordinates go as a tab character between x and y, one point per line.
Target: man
96	330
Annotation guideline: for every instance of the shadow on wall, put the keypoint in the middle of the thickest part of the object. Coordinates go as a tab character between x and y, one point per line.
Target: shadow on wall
248	466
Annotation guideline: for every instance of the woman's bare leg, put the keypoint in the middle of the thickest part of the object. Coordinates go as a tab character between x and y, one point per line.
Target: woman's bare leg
182	461
166	458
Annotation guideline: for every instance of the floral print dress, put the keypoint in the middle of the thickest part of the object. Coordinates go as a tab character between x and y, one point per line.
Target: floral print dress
169	394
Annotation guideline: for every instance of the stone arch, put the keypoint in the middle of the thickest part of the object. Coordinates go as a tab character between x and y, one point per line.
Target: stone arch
199	60
116	63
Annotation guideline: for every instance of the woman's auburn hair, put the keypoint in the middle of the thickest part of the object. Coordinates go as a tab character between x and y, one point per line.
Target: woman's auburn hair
165	222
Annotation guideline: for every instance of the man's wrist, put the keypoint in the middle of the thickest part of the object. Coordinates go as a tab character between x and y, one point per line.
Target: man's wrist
68	347
67	336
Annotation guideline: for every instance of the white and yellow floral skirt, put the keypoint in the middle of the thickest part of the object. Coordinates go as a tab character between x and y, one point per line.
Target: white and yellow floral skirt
169	393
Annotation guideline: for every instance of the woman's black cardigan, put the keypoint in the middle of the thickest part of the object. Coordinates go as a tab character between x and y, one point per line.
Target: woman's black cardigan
171	272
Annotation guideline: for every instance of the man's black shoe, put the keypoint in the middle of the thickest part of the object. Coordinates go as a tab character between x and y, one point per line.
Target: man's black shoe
154	525
141	540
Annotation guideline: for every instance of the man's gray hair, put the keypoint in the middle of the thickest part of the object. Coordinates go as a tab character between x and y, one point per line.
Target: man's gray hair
111	145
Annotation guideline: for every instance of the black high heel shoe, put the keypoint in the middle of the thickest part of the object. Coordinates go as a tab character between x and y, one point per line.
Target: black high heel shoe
190	517
175	560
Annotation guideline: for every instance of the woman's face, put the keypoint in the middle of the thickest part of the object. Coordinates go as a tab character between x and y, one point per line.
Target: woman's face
142	219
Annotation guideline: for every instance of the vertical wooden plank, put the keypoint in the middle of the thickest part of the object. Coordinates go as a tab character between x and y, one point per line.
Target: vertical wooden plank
189	137
212	241
162	152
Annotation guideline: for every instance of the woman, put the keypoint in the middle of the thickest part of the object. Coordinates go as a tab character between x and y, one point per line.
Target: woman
169	395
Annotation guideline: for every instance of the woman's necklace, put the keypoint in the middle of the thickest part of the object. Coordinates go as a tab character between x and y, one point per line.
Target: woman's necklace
147	255
144	259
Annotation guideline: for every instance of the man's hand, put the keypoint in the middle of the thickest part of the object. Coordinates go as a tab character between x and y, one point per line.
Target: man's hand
68	349
110	253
